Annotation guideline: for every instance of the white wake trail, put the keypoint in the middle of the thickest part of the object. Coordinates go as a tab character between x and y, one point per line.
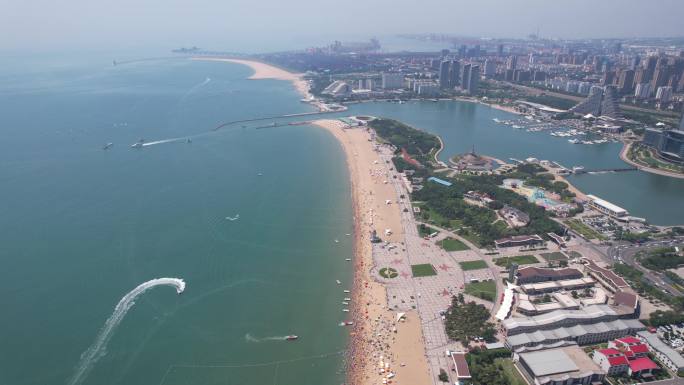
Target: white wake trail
163	141
96	350
251	338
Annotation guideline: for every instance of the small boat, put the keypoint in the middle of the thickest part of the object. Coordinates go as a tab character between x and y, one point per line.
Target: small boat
347	299
347	291
345	303
347	259
345	310
337	241
260	174
188	140
107	146
573	141
338	281
138	144
348	323
291	337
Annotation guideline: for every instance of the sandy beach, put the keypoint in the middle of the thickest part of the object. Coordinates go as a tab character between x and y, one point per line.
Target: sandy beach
373	340
267	71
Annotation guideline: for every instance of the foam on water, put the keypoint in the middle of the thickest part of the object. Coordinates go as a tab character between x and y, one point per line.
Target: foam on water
96	350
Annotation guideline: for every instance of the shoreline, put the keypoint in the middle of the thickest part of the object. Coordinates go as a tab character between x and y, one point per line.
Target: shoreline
369	311
626	146
368	343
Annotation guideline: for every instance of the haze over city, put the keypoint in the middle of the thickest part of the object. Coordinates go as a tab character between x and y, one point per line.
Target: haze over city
244	25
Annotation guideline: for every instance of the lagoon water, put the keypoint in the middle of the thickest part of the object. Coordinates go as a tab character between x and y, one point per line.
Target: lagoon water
462	124
80	227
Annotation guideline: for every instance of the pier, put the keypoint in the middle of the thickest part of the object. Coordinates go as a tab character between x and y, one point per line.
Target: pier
601	170
226	124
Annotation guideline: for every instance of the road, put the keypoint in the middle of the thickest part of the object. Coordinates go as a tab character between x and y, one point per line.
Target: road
626	253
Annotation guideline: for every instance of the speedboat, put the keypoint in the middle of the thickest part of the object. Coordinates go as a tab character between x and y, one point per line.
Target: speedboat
107	146
291	337
138	144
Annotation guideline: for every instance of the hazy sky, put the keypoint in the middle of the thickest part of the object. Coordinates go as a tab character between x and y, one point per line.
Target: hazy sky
289	24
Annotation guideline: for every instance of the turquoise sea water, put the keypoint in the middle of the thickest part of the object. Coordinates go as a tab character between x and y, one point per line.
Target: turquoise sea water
461	125
80	227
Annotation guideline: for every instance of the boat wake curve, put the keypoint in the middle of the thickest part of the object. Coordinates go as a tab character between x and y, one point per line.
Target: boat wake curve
251	338
97	349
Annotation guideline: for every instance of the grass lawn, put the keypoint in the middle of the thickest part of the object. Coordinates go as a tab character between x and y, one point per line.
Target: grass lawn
584	230
473	265
526	259
553	257
511	373
388	272
423	270
452	244
485	290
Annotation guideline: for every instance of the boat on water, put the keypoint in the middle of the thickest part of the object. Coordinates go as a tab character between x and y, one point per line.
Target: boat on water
107	146
348	259
338	281
345	303
347	299
347	291
345	310
516	126
573	141
291	337
138	144
497	120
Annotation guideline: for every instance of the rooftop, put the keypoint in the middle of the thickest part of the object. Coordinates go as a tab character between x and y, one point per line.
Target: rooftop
559	363
527	272
607	205
643	363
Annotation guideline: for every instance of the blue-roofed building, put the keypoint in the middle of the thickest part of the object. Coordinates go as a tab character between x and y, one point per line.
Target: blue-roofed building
440	181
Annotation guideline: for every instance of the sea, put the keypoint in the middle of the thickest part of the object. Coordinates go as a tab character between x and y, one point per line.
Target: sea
254	221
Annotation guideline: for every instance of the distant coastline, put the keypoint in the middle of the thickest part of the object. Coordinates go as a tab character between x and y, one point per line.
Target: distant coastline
266	71
626	146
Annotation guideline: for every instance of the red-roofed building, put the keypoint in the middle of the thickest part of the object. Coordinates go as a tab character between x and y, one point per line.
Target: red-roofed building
611	361
625	355
631	347
642	366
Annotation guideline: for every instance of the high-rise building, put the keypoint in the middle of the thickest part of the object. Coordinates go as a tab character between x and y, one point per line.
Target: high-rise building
601	102
474	80
465	76
642	91
608	78
489	68
512	62
454	74
444	75
626	82
660	76
392	81
499	50
649	68
664	94
584	88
